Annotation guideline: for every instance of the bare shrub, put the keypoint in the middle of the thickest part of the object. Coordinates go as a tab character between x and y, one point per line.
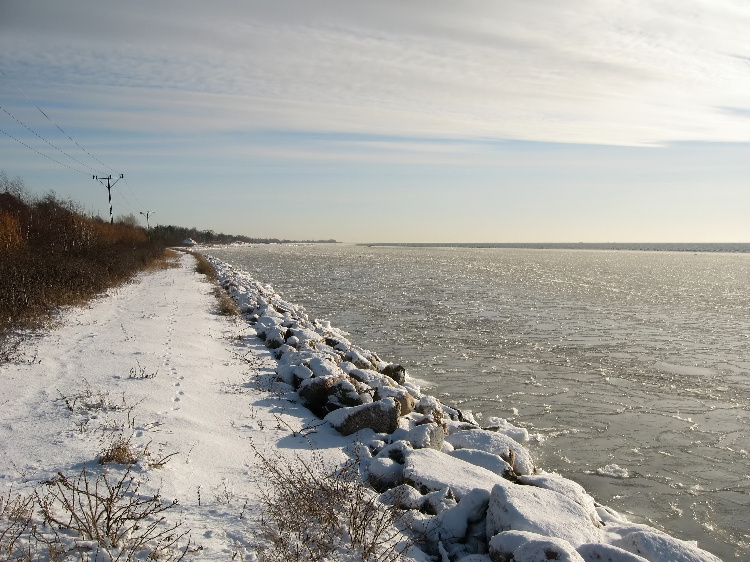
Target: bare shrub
313	510
112	513
15	524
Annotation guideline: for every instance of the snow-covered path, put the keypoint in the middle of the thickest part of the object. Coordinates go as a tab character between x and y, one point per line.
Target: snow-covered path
152	362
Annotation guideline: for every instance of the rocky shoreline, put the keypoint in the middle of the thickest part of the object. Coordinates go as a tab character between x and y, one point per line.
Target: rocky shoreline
470	493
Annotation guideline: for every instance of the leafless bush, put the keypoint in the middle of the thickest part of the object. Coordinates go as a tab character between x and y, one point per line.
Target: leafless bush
88	399
313	510
15	525
111	512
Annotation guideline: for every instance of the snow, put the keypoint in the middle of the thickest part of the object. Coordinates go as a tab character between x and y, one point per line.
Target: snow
197	394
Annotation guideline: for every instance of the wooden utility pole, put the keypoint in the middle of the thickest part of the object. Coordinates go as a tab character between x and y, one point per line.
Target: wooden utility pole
109	187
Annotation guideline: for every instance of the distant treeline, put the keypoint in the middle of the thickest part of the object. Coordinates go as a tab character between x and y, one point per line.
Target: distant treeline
175	235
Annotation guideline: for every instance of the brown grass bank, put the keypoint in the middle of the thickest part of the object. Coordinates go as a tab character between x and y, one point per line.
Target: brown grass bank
52	255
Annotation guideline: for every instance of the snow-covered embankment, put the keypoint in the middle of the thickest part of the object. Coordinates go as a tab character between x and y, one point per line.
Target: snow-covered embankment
472	493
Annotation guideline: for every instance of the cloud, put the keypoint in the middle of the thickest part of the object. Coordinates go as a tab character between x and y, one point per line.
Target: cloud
603	72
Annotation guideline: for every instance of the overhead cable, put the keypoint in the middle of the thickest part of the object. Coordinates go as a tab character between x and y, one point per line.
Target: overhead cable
55	124
42	154
45	140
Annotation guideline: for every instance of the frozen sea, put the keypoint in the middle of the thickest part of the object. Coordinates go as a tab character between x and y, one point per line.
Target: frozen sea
631	368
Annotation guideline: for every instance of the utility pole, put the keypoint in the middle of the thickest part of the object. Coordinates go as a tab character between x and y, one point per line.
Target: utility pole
109	187
147	214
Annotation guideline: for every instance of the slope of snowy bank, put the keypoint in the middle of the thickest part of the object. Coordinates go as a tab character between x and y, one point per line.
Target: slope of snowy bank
192	393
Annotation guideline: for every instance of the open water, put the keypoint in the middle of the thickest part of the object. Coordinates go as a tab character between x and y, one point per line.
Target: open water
630	368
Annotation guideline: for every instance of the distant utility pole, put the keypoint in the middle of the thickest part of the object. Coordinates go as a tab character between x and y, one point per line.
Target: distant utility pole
109	187
147	214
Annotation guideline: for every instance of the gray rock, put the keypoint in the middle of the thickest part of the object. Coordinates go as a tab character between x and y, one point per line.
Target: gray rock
315	392
395	371
381	417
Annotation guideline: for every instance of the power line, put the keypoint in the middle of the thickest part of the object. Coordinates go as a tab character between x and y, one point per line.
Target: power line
45	140
138	201
42	154
118	191
54	123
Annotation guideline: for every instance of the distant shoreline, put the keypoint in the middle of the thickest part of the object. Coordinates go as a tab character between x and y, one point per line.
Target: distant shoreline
634	246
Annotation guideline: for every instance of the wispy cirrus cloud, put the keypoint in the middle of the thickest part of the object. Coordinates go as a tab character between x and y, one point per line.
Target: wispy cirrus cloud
594	72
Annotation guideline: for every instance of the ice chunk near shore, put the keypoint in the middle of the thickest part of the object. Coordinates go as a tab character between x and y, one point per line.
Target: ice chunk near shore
612	471
503	426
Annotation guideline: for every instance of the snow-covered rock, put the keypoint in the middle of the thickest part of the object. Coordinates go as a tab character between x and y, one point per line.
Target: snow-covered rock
598	552
538	510
496	443
568	488
429	470
520	546
489	461
656	546
381	416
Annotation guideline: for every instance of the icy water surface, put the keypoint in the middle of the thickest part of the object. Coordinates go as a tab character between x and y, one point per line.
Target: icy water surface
632	369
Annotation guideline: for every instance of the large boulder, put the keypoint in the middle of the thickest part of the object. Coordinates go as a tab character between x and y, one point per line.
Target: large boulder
538	510
429	470
381	416
496	443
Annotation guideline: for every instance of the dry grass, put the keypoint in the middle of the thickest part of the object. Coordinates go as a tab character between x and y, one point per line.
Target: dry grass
225	305
169	259
203	266
120	451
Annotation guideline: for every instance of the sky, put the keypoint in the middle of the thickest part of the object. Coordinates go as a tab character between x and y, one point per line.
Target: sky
388	121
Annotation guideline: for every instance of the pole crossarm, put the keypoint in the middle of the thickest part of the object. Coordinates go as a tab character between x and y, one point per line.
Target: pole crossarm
147	214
